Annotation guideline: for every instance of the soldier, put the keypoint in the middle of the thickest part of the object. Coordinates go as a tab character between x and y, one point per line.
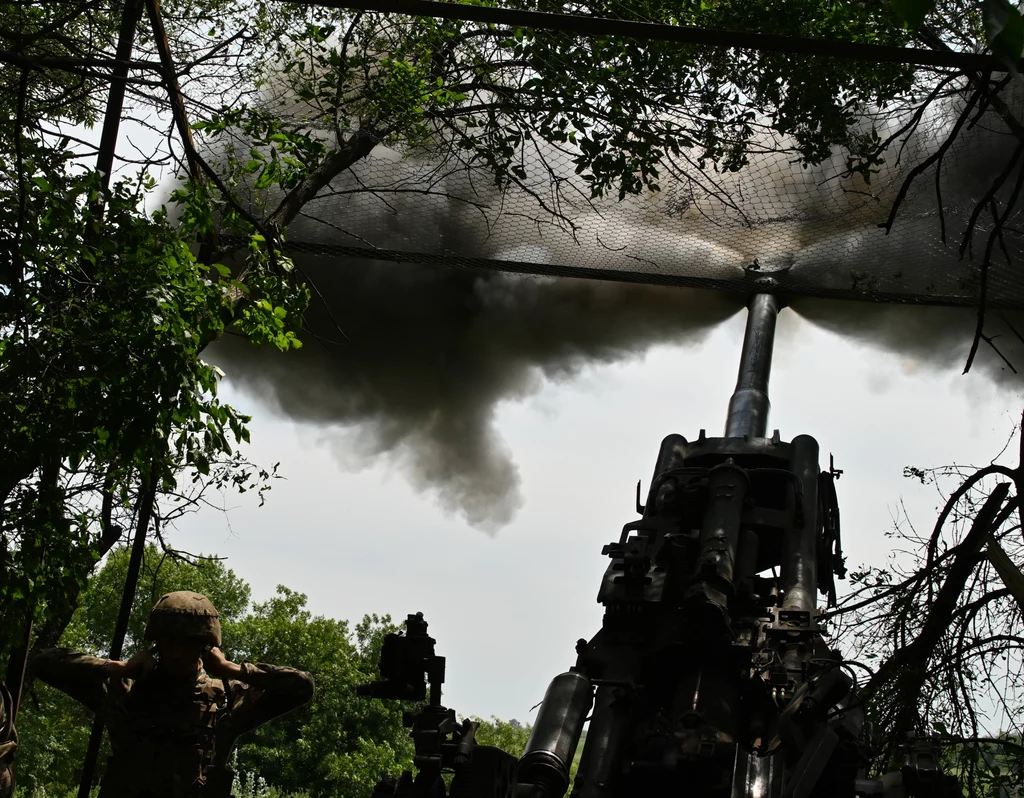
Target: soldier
8	743
173	718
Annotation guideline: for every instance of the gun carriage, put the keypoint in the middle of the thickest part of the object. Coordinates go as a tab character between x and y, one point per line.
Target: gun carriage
711	675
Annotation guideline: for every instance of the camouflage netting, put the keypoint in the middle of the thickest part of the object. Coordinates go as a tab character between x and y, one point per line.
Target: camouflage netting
774	225
409	358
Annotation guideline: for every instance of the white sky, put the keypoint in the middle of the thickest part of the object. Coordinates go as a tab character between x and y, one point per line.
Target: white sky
506	610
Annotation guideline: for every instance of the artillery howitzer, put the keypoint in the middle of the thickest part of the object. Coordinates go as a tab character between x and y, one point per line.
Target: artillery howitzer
711	676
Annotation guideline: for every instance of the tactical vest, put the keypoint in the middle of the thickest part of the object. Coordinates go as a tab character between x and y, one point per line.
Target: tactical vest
163	734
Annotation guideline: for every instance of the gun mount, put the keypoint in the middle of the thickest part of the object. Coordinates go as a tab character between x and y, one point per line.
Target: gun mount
442	744
711	676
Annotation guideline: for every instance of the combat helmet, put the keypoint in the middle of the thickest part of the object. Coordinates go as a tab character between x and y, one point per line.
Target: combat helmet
184	614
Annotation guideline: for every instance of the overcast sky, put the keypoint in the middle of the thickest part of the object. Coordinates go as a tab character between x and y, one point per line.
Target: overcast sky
506	609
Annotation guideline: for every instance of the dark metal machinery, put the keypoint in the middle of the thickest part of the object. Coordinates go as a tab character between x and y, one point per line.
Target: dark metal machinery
711	676
442	744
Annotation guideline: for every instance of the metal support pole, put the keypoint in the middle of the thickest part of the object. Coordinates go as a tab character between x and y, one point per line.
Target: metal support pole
749	405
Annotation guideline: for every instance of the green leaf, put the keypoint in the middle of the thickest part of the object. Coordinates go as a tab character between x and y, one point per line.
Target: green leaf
1004	30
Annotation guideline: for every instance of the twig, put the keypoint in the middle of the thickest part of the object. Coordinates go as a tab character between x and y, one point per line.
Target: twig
922	167
993	237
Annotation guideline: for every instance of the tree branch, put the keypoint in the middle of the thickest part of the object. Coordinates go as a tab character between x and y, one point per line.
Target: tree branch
355	149
906	670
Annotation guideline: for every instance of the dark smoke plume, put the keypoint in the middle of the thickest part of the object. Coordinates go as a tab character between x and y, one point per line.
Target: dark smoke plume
935	337
429	352
432	351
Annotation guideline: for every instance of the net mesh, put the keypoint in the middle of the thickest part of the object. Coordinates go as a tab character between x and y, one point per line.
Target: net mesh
774	225
772	228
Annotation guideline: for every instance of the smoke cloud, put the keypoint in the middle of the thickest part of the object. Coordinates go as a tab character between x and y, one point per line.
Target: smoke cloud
425	354
914	258
936	337
432	351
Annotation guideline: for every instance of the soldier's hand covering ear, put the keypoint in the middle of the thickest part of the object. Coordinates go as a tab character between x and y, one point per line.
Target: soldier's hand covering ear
218	665
135	668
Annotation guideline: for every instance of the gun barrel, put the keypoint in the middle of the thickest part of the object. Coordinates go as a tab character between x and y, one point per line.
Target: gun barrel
749	405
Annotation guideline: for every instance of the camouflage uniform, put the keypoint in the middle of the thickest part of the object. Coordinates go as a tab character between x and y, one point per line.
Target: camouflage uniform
172	738
8	744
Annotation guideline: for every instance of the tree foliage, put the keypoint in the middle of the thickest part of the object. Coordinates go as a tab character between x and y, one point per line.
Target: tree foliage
943	633
105	309
509	102
49	70
92	625
340	744
336	746
101	383
508	735
997	23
